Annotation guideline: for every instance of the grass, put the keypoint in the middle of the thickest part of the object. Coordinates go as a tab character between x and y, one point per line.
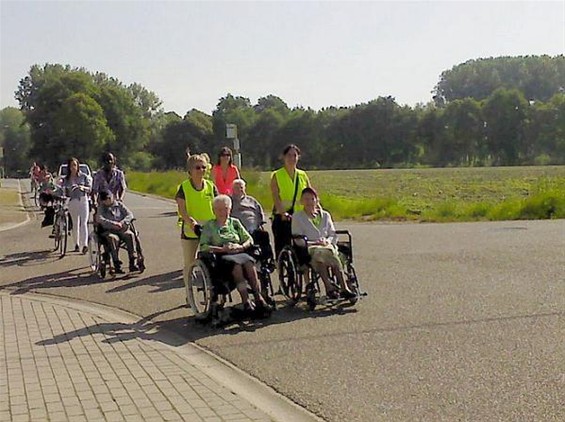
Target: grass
438	195
11	212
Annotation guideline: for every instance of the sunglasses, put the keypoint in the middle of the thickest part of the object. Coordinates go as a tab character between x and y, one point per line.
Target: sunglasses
199	167
225	155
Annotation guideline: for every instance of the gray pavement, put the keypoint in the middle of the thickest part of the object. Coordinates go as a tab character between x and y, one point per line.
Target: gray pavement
71	360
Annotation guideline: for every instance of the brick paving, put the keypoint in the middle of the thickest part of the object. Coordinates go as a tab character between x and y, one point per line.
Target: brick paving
61	363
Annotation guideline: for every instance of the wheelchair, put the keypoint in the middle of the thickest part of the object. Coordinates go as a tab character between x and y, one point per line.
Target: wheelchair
294	271
209	287
99	251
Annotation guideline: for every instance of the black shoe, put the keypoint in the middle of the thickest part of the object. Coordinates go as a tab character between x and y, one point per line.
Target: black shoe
44	224
347	294
118	269
76	248
332	295
132	268
84	250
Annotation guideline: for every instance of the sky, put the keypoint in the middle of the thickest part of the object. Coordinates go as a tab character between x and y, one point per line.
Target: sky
309	53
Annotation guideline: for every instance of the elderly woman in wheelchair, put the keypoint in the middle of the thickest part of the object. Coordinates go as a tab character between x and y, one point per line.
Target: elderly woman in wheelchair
315	247
316	225
225	261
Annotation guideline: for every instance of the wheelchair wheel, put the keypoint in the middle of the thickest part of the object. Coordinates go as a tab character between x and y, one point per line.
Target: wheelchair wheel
266	286
199	289
353	283
140	258
289	279
56	233
64	234
94	253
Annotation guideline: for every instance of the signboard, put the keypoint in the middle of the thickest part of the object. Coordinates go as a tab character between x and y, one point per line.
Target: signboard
231	131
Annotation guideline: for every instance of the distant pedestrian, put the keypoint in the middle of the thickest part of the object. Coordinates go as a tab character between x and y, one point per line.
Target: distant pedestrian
225	172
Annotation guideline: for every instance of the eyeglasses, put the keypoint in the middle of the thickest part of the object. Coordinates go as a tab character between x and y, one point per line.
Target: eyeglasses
199	167
225	155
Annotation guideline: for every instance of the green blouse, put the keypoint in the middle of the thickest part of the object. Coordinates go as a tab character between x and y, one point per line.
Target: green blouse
231	232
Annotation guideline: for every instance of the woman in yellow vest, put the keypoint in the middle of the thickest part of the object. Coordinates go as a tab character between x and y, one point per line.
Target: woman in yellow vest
287	183
194	202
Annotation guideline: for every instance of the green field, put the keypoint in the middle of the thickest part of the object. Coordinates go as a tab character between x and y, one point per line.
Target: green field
446	194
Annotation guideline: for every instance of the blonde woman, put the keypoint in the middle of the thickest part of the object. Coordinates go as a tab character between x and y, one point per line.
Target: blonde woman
194	204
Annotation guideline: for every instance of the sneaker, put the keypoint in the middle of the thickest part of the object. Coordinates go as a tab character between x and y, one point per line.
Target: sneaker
76	248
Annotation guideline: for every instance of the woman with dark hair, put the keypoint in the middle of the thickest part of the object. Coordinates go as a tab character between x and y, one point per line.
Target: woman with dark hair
224	172
286	183
316	225
77	186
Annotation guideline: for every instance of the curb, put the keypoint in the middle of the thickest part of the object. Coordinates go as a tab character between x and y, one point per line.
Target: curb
260	395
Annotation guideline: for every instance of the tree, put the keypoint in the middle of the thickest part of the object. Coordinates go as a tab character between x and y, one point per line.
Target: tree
505	113
537	77
81	128
16	141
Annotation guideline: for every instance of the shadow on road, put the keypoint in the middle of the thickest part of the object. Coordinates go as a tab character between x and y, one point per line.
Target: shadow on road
161	282
28	259
185	329
71	278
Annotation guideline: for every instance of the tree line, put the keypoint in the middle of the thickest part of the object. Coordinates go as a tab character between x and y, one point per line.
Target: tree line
498	111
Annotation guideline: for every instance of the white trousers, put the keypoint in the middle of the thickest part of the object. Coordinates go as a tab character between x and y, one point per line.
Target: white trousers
78	209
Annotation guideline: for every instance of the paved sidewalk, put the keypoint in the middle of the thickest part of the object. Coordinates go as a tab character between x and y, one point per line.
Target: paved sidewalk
73	361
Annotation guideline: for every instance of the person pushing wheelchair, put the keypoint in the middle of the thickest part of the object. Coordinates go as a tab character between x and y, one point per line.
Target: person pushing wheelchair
115	218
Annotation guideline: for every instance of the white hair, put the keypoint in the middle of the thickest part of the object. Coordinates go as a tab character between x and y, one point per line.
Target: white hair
223	199
239	182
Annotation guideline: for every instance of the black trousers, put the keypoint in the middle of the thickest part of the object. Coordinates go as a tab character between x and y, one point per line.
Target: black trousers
282	232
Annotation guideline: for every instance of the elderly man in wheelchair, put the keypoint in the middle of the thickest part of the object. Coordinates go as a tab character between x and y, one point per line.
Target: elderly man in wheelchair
114	220
224	262
315	247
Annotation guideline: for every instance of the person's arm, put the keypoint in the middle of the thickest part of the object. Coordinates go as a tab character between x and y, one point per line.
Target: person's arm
260	215
96	184
245	239
123	186
329	228
276	196
181	208
104	221
128	215
86	186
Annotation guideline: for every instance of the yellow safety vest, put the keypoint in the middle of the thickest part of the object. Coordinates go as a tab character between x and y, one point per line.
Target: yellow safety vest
198	204
286	187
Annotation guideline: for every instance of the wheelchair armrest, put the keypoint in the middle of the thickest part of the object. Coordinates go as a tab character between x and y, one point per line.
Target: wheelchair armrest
206	255
299	241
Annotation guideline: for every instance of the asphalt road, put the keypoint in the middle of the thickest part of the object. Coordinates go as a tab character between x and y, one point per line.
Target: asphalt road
462	322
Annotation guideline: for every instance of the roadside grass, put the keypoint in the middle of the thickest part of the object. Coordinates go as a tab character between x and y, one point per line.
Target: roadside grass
434	195
11	212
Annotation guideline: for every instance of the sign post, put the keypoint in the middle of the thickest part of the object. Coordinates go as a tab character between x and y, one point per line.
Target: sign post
231	134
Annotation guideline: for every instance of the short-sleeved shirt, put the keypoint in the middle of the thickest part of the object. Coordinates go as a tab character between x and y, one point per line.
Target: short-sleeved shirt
249	211
231	232
114	181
